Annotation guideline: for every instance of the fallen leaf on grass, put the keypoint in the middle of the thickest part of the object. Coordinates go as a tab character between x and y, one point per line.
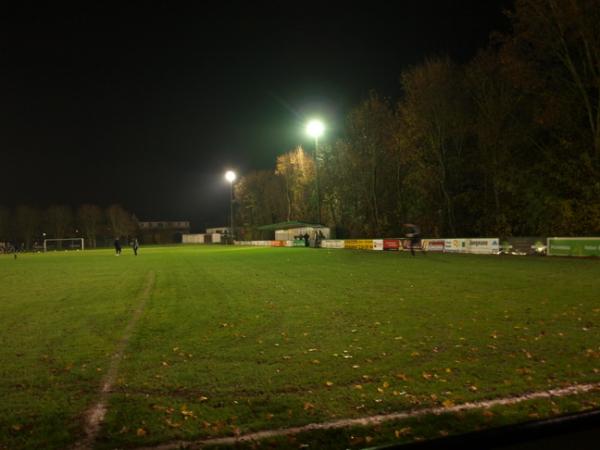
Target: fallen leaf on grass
186	413
172	424
141	432
406	431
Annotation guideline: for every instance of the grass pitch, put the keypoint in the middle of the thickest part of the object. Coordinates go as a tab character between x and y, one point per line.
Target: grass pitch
233	340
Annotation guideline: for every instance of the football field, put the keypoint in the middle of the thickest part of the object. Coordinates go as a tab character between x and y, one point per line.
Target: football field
191	344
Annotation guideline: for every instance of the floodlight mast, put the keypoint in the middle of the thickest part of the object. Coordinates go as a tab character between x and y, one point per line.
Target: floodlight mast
230	176
315	128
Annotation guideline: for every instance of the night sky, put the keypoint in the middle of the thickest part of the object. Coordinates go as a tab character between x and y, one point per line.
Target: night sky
147	107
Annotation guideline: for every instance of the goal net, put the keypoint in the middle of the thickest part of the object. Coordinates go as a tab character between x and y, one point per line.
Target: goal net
63	244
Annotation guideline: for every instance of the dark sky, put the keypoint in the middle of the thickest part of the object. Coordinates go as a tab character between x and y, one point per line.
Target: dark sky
148	106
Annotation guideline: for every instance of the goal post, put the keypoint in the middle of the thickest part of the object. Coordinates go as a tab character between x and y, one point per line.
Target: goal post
64	244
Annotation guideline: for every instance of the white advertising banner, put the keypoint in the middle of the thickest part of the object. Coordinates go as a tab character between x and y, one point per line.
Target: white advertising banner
484	246
377	244
332	243
455	245
433	245
192	239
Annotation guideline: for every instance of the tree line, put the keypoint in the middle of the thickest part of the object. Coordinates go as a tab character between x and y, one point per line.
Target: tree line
27	225
507	144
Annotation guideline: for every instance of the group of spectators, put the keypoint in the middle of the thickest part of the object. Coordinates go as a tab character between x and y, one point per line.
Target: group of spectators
314	241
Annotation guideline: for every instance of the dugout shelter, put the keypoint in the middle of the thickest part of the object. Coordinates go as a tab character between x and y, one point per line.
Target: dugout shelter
287	231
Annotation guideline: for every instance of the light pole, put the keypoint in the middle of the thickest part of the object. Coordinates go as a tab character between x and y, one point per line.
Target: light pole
230	176
315	129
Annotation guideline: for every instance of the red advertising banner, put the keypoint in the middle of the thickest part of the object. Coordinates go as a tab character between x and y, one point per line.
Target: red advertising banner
391	244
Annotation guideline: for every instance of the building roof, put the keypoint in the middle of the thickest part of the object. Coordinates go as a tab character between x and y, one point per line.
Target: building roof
289	225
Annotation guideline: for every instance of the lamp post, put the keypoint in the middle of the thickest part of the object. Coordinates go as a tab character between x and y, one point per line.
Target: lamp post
230	176
315	129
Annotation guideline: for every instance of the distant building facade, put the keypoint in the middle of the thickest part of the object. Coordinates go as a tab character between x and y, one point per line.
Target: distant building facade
165	225
162	231
218	230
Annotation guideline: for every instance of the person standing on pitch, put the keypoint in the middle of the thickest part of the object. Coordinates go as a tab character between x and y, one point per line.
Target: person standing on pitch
117	247
414	234
135	244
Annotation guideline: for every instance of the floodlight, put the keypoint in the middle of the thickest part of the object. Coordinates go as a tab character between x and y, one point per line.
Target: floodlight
315	128
230	176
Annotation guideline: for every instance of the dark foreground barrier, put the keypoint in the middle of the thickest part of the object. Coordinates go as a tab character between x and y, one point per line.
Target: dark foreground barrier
580	431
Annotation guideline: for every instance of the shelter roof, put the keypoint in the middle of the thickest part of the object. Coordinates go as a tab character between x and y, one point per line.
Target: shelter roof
289	225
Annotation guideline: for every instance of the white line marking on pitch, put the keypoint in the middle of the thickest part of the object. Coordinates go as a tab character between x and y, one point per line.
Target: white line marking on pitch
95	415
374	420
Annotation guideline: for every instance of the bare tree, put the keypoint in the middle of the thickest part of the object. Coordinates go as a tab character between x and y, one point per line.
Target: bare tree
561	38
297	169
120	222
434	110
89	218
5	220
60	220
27	223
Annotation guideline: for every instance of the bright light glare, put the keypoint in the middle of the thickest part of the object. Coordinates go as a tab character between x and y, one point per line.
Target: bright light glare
315	128
230	176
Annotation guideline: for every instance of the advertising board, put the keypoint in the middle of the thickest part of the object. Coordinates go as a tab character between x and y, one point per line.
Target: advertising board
455	245
192	239
391	244
359	244
589	246
332	243
433	245
483	246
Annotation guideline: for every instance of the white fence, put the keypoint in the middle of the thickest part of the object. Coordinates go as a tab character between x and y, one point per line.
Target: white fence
192	239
